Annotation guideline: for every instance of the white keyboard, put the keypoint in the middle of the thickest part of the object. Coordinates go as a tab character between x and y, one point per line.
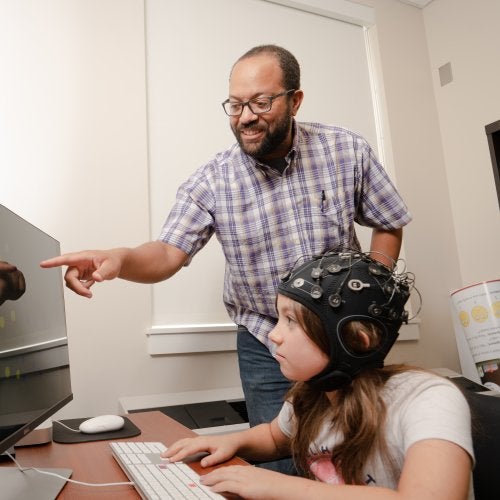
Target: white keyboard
155	478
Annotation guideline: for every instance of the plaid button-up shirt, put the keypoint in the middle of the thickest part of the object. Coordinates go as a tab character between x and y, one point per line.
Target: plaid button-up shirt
266	221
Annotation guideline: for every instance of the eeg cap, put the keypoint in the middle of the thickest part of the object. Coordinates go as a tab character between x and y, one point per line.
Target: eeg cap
340	287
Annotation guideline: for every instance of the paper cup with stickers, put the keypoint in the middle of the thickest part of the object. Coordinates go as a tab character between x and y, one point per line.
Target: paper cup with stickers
476	310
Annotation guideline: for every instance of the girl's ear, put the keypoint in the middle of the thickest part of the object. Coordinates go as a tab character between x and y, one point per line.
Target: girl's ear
364	339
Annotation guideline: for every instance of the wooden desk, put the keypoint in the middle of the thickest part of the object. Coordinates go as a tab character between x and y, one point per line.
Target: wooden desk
93	462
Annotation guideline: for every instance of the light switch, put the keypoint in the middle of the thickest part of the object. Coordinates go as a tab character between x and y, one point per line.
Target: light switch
445	74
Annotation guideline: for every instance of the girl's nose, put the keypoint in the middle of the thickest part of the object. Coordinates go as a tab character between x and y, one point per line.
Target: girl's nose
275	336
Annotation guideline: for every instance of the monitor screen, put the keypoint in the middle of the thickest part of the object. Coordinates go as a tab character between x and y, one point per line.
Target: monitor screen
34	361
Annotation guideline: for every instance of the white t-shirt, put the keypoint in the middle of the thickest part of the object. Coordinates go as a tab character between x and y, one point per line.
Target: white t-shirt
420	406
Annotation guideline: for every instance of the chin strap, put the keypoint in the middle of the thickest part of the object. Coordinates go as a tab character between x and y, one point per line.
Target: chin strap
330	381
327	380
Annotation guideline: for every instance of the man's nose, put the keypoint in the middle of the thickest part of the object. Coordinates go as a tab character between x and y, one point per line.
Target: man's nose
247	115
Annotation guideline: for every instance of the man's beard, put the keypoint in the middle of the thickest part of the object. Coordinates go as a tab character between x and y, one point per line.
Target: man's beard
271	141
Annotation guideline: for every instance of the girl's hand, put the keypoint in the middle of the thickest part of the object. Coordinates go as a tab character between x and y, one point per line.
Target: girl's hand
220	449
247	482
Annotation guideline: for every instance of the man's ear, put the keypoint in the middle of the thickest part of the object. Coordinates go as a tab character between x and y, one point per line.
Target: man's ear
297	98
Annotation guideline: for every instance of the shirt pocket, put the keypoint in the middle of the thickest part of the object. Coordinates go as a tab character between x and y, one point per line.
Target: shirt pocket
326	219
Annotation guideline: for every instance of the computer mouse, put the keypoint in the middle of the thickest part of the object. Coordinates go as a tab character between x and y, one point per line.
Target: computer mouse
102	423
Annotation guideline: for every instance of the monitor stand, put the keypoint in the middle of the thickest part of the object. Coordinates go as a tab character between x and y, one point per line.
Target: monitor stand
30	484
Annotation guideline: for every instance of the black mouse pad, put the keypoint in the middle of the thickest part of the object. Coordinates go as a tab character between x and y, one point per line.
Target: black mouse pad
62	435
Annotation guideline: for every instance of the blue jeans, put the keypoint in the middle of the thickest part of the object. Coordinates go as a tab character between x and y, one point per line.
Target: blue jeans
264	387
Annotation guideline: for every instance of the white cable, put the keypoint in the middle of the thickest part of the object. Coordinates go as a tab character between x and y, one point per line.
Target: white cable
22	469
64	425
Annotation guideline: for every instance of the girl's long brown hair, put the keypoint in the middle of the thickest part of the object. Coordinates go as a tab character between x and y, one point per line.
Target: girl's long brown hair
358	414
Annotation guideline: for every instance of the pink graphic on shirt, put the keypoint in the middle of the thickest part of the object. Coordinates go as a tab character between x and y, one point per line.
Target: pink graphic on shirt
324	470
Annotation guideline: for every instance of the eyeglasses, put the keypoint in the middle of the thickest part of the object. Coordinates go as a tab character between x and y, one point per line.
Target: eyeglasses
257	106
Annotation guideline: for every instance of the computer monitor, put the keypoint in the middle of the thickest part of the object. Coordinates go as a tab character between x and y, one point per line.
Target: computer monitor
34	361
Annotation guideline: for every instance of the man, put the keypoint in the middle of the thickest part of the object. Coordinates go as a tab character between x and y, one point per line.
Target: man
286	190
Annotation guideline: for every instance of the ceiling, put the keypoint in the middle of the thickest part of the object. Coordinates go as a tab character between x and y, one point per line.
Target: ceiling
417	3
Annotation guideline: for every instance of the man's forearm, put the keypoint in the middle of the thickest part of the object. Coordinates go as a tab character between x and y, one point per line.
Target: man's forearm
151	262
386	245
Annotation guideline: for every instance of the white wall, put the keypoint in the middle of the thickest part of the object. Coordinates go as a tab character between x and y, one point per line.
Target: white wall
441	158
73	159
73	156
469	39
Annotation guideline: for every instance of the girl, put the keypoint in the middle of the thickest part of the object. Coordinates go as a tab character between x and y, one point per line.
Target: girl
356	429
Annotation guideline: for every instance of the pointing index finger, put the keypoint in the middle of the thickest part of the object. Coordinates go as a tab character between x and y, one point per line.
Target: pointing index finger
61	260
